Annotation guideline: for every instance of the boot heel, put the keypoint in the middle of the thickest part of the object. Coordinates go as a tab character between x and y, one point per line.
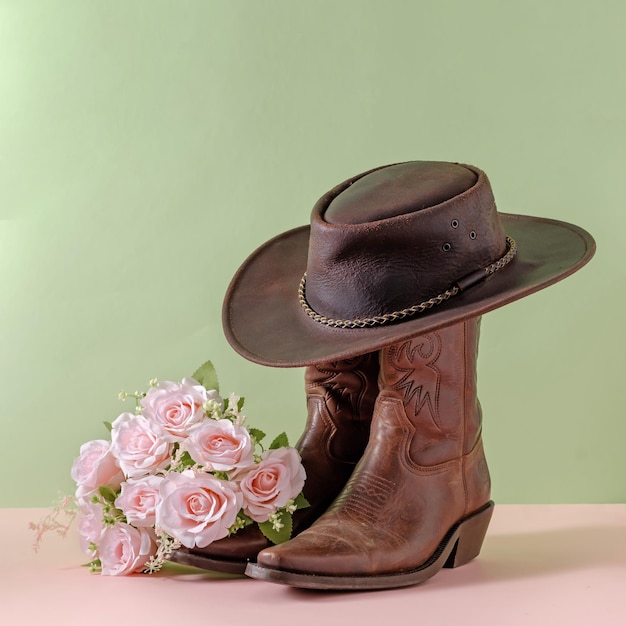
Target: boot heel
471	534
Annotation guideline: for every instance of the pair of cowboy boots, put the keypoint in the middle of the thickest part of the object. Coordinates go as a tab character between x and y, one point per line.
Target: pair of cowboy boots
418	498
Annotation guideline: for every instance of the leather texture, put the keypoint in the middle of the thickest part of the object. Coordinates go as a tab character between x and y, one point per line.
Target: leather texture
424	469
398	190
340	401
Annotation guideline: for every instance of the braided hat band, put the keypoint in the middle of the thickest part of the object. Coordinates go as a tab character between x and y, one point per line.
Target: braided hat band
379	320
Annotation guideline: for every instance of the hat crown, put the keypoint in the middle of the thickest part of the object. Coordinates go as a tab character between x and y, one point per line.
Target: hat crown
398	189
399	235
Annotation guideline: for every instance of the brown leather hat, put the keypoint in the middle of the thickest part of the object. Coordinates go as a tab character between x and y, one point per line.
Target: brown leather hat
393	253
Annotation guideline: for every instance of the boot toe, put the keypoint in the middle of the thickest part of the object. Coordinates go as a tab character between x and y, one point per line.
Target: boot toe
313	553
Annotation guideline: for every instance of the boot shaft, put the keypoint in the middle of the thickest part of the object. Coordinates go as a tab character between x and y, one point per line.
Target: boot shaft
340	400
434	376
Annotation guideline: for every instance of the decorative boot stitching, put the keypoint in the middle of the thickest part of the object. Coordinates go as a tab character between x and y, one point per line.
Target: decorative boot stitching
370	488
346	388
421	382
365	500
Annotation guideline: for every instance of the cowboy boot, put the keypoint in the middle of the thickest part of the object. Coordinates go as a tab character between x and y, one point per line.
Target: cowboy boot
419	498
340	401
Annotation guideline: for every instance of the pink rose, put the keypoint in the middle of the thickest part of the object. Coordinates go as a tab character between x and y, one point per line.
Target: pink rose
197	508
90	526
124	549
268	486
138	447
176	407
220	446
96	466
138	500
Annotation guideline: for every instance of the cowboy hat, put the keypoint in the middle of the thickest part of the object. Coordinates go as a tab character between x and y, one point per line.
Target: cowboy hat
390	254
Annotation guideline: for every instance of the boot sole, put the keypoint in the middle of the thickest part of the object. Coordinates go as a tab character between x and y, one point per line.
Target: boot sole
208	563
461	544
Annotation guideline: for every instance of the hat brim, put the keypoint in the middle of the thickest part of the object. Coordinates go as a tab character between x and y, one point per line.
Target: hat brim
264	322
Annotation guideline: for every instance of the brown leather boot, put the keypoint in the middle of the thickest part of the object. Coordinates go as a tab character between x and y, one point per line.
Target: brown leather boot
419	498
340	401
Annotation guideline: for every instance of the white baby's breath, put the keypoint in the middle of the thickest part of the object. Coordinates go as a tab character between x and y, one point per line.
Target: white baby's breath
276	522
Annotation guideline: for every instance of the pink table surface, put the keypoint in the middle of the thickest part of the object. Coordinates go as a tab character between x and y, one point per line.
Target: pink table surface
541	564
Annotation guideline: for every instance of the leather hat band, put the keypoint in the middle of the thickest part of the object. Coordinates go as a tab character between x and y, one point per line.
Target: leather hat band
379	320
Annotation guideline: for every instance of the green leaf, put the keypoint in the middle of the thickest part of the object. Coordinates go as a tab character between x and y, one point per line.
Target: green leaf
257	434
240	403
282	535
107	493
186	460
108	426
207	376
301	502
280	442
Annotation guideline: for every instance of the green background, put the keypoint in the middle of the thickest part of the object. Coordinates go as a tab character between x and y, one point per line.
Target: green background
146	148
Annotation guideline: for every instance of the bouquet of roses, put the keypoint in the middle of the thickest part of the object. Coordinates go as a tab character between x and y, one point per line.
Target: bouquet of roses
182	469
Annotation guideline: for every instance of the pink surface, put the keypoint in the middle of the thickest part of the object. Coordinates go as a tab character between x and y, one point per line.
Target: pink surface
544	564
